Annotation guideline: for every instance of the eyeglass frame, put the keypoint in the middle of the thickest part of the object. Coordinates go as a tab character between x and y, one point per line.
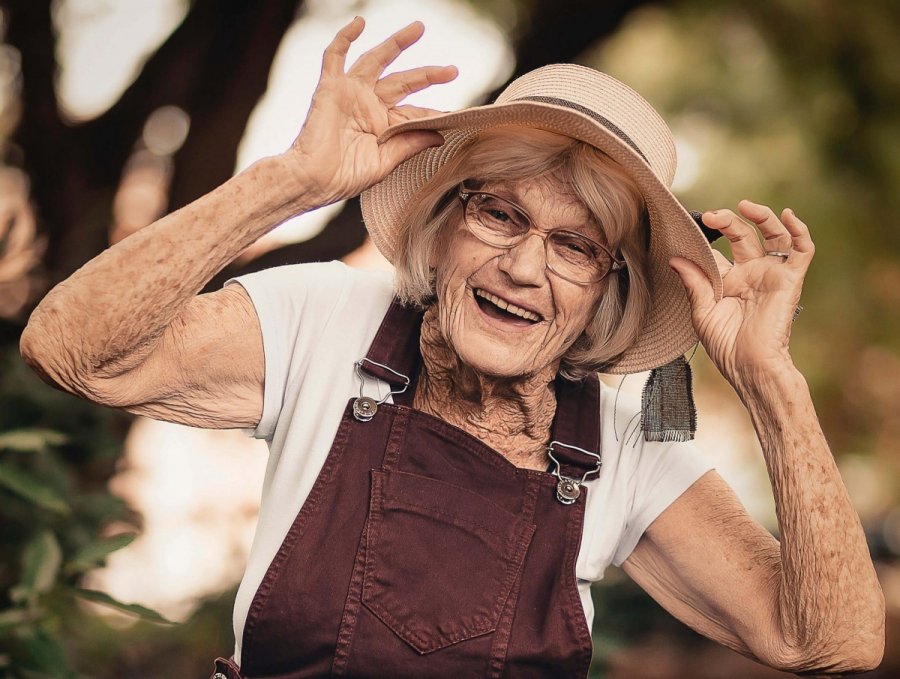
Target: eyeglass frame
465	195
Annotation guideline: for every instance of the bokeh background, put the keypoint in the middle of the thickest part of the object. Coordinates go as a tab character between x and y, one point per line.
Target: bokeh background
113	112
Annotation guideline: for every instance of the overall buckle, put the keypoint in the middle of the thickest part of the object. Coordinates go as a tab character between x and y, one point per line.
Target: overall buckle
568	489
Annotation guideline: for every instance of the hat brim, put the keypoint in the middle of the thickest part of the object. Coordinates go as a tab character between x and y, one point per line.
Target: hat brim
667	331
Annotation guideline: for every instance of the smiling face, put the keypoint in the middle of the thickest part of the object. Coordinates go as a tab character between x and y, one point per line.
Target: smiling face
503	312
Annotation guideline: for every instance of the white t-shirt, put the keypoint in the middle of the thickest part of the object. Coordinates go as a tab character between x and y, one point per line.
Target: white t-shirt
317	320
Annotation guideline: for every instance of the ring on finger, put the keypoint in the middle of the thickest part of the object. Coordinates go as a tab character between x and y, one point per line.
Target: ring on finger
778	253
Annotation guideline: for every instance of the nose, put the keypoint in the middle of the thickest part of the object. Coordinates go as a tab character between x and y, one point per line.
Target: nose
526	263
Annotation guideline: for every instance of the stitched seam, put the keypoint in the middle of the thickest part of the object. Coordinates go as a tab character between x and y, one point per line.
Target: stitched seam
350	615
273	573
570	584
476	447
452	518
500	647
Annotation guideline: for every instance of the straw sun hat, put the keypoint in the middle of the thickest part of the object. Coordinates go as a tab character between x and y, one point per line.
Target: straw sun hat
597	109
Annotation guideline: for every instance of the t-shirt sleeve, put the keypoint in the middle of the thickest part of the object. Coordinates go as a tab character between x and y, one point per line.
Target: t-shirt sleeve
663	471
644	477
293	304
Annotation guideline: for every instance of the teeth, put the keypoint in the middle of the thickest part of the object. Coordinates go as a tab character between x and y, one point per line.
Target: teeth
509	308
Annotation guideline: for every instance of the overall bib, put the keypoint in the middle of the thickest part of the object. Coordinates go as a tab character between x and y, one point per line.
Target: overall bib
422	552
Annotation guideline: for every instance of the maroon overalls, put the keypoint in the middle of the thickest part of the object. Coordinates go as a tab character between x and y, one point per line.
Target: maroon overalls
421	552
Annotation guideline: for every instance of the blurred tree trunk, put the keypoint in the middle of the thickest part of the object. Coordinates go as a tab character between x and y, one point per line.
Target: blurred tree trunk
559	32
214	66
553	32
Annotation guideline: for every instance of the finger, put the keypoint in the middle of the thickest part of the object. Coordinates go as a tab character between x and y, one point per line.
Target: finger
397	86
410	112
699	288
336	53
801	242
371	65
775	236
405	145
741	236
402	114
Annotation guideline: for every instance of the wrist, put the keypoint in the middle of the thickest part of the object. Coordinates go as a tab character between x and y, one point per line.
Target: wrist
288	191
300	182
777	377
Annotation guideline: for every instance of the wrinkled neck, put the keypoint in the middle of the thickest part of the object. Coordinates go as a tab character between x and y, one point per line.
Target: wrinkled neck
513	415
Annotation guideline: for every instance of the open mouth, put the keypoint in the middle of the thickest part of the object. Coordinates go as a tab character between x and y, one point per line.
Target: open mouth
496	307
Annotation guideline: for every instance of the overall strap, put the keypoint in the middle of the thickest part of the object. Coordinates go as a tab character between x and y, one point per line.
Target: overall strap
396	346
576	428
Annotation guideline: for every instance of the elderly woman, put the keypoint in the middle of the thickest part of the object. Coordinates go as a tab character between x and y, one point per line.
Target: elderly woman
447	474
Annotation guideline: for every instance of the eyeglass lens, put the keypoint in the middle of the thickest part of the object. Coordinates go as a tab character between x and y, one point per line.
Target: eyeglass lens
571	255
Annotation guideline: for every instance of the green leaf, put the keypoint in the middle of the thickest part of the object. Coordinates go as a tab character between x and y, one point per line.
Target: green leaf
40	566
14	617
28	487
92	554
31	440
46	655
134	609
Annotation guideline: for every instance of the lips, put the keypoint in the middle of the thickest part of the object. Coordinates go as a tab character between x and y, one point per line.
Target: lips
500	308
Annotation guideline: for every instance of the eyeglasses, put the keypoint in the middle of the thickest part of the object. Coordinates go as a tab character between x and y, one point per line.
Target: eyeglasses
503	224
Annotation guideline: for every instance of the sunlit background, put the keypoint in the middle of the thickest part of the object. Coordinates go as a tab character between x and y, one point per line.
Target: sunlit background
786	103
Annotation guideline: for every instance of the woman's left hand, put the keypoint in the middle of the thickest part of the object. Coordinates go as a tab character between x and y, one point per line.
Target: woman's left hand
750	327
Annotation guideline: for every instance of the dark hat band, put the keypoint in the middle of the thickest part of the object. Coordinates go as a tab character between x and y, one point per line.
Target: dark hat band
556	101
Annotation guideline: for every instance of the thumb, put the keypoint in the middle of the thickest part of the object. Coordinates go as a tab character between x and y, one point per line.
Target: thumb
405	145
699	288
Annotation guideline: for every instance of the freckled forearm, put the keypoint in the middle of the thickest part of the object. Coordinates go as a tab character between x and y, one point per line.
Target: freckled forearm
111	312
829	597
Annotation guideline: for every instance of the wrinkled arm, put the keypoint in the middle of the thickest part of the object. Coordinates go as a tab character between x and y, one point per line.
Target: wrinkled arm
128	330
809	604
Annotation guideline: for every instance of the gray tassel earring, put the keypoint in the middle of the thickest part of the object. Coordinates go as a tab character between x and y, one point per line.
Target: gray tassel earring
668	412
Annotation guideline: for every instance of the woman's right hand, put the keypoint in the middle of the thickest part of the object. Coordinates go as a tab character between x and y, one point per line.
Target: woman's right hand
337	154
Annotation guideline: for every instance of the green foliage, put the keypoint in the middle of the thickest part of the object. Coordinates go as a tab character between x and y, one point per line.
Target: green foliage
31	489
107	600
54	509
796	104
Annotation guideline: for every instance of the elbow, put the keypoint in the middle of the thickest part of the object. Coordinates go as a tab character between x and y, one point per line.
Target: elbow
851	661
855	651
45	350
60	362
37	351
865	651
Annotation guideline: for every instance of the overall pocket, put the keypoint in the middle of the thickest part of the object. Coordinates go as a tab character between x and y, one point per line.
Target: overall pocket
440	559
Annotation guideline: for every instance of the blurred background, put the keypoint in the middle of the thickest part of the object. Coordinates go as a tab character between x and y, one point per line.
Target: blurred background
122	539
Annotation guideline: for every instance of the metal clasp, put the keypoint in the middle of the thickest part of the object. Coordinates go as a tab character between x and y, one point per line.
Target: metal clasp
568	489
365	407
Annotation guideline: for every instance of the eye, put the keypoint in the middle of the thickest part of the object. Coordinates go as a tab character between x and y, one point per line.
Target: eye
576	247
496	213
573	244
